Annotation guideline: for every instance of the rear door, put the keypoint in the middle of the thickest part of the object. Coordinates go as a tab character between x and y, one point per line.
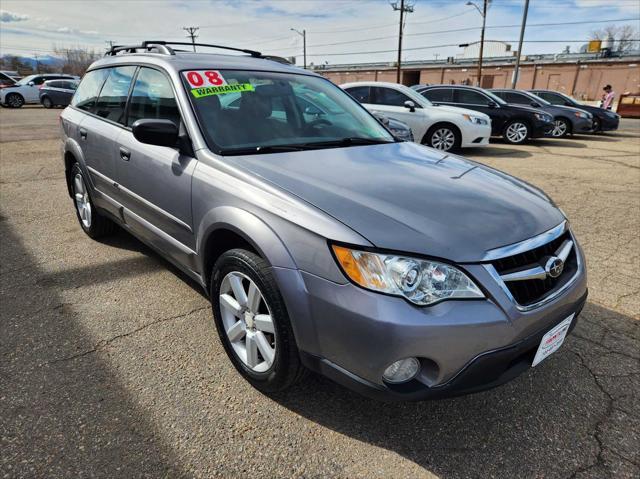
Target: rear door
155	181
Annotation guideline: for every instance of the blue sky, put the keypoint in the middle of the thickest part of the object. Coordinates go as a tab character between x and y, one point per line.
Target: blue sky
338	31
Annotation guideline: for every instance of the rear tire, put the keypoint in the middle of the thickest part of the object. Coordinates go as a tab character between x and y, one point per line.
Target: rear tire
516	132
252	321
91	221
46	102
443	137
14	100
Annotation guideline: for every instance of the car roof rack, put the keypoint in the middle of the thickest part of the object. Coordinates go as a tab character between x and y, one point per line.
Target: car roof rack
163	47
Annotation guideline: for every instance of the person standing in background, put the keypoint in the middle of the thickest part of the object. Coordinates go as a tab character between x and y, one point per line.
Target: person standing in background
607	98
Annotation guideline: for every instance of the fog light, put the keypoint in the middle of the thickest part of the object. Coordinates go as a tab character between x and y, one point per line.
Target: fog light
402	371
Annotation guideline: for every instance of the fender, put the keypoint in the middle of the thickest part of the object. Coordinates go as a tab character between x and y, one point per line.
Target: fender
72	146
247	225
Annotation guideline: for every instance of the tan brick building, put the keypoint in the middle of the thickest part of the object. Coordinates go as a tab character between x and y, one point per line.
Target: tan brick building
581	76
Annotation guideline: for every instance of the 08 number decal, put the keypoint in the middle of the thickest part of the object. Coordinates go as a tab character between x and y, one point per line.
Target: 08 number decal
202	78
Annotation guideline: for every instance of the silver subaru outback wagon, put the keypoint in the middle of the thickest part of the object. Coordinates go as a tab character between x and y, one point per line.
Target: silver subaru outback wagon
323	242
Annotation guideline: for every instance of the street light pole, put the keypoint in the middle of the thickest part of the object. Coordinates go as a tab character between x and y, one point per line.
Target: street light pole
516	71
303	34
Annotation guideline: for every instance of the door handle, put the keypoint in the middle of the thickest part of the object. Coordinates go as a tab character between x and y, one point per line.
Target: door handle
125	154
83	133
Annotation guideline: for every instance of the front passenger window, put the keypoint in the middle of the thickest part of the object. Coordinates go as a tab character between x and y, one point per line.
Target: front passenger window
153	98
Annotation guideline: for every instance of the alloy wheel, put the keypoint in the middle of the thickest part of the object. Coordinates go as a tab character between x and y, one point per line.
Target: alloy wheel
559	128
83	204
443	139
14	101
247	321
517	132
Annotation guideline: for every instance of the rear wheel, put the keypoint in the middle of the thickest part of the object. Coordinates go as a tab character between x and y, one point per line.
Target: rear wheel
46	102
252	321
92	222
14	100
560	128
516	132
443	137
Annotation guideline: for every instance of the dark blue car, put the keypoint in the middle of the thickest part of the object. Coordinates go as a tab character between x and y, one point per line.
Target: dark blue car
57	92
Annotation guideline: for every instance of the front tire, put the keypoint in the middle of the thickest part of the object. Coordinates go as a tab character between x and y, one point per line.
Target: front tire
597	125
14	100
92	222
46	102
561	128
252	321
443	137
516	132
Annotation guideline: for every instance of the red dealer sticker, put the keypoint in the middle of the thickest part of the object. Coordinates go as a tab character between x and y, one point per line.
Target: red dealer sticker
204	78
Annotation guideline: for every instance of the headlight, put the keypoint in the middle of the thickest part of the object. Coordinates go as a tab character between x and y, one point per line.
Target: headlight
580	114
475	120
418	280
543	117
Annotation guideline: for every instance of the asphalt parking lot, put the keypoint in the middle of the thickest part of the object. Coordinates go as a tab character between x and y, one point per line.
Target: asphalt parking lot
110	366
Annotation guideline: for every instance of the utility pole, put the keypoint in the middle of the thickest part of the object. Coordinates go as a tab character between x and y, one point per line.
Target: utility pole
110	43
403	9
37	63
192	33
303	34
516	71
483	12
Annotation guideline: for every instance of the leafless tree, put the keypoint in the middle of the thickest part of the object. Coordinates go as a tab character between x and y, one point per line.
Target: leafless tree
76	59
625	36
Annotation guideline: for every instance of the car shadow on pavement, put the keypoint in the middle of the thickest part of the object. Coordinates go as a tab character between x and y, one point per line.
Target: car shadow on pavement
63	411
491	152
578	412
562	143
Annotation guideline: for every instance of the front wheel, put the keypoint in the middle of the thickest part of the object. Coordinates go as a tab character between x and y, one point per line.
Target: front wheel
597	125
560	128
14	100
443	137
252	321
516	132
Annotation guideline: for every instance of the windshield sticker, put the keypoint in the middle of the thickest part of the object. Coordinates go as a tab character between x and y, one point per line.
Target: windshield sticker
203	78
221	90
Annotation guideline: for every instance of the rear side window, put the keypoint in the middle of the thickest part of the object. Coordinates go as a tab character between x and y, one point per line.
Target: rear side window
516	98
360	93
87	92
439	95
551	97
388	96
152	97
113	96
53	84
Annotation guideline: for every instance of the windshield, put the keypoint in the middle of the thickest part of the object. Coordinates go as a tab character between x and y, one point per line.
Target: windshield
242	112
26	80
495	97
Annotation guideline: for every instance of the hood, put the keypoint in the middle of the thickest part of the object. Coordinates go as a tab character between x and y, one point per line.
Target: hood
561	110
410	198
528	109
460	111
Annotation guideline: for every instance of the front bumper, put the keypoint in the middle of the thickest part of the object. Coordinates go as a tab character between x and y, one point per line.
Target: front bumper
541	128
608	124
582	125
475	136
352	335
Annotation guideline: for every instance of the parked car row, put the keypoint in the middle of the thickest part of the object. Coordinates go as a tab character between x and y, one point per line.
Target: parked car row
449	117
27	90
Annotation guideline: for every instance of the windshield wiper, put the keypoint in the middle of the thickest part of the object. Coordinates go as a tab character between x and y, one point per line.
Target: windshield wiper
257	150
348	141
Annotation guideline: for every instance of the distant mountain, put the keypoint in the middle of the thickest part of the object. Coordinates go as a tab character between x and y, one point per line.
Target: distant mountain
31	60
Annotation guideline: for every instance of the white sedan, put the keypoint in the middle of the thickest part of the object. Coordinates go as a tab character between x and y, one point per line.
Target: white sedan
27	90
442	127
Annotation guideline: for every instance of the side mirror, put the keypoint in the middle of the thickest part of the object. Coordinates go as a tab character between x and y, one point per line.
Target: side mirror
31	83
313	110
155	132
535	104
410	105
492	104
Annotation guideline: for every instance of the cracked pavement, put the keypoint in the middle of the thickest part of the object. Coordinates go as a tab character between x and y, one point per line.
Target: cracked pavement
110	365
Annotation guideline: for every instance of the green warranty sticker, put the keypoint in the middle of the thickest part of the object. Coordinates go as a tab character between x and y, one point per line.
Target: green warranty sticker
221	90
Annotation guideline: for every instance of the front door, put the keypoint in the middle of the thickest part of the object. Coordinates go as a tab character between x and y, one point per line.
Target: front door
155	181
391	103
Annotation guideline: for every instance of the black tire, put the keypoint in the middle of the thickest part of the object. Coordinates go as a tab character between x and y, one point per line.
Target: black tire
522	127
14	100
99	225
597	125
437	135
286	368
562	128
46	102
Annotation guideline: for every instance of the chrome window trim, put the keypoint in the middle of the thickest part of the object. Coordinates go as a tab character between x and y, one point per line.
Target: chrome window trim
526	245
547	299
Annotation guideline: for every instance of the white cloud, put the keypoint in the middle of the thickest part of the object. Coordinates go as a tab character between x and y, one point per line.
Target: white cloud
8	17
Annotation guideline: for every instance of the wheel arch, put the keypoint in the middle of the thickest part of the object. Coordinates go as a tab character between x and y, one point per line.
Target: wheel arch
227	227
72	154
441	123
